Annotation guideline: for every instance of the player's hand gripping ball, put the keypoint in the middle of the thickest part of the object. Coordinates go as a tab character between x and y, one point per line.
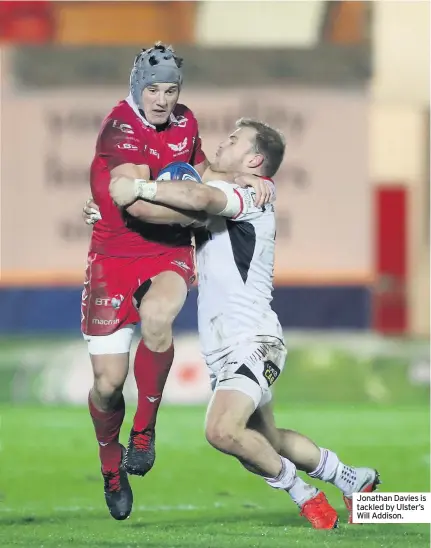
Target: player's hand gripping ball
179	171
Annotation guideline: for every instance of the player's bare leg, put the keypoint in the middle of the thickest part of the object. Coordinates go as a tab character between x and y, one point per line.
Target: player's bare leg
317	462
158	309
329	468
316	508
227	431
106	404
298	448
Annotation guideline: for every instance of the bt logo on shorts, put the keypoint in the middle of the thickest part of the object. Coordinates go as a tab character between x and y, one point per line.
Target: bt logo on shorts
114	301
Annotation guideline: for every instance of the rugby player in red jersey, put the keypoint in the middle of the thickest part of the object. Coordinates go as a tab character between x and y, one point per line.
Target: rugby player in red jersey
137	270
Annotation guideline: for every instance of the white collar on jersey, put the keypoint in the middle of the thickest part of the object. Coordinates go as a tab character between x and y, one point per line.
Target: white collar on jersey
129	100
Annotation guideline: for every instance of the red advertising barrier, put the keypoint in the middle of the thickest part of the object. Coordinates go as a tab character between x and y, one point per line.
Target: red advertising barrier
390	293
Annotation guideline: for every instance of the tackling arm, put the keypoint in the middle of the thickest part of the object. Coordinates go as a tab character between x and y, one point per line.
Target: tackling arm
188	195
151	212
215	198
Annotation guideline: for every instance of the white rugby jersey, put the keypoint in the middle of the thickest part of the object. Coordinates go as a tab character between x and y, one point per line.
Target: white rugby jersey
235	263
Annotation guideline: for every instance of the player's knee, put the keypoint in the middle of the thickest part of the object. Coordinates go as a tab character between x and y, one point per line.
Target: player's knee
222	436
107	388
156	324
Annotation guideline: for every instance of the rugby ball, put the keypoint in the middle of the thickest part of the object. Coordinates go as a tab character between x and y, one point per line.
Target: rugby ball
179	171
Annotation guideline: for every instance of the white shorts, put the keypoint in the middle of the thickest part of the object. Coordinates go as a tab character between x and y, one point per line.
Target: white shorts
251	368
118	342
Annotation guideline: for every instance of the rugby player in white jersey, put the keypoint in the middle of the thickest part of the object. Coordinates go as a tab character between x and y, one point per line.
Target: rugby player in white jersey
240	335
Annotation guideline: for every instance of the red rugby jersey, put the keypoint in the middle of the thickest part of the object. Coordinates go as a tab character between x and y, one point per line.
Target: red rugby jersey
126	137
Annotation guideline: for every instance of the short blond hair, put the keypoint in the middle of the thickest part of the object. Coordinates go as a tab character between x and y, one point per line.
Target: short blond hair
269	142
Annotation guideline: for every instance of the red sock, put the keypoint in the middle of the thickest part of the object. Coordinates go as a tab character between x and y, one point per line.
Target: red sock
107	425
151	371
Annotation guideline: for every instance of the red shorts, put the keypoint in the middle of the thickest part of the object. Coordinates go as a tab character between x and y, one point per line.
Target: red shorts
110	283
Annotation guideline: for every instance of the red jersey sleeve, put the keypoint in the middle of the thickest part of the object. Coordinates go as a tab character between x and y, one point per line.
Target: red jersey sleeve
198	155
119	143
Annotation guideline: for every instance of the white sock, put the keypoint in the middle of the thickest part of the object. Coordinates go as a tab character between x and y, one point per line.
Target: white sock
327	467
285	478
332	470
301	491
345	479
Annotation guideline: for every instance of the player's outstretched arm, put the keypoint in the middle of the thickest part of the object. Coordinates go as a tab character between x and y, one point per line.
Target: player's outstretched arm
124	196
213	198
188	195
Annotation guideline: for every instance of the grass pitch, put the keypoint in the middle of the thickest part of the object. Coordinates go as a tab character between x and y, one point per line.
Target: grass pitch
51	488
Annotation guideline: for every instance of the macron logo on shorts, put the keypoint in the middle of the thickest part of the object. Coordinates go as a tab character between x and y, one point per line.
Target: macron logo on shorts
99	321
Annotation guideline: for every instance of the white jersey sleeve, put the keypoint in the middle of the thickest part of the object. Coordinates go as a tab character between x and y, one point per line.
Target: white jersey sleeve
240	201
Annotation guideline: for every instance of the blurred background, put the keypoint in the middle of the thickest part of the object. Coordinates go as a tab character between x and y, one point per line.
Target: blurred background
347	82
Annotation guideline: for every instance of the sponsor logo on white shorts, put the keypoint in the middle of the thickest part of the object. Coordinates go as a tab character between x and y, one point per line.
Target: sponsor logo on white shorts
270	372
99	321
